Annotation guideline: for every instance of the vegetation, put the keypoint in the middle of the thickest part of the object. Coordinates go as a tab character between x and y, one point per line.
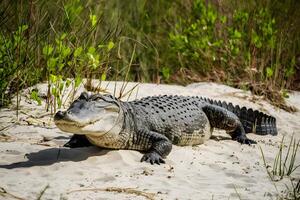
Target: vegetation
247	44
283	166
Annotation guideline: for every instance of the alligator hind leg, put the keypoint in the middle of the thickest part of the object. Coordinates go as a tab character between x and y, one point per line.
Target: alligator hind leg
223	119
77	141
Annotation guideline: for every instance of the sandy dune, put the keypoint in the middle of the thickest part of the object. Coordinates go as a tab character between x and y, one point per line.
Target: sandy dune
33	161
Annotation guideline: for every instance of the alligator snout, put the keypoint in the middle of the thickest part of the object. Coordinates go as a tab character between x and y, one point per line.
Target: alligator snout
59	115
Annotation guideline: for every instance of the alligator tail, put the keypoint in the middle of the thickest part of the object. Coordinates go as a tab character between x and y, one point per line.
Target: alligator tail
253	121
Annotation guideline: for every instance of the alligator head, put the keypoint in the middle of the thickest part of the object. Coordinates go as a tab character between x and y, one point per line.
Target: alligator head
91	114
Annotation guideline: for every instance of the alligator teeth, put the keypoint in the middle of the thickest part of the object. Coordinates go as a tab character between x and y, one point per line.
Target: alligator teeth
69	124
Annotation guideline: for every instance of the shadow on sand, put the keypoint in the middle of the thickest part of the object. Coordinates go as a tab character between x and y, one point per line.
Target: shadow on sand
55	155
220	137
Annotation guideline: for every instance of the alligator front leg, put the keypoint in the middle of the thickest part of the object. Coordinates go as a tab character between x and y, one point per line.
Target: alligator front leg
221	118
77	141
157	146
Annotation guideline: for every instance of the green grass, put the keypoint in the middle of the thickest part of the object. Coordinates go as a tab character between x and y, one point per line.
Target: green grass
284	165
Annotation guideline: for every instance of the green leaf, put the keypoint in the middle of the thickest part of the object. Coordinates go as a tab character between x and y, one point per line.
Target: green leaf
59	102
92	50
78	81
110	45
24	28
211	16
61	86
93	19
289	71
63	36
223	19
93	60
53	78
54	91
103	77
272	42
166	72
51	63
73	9
256	40
60	65
236	50
68	82
78	51
269	72
237	34
47	50
248	55
34	96
65	51
101	46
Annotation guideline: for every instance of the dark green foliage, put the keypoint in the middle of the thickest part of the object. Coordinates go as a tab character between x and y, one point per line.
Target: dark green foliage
239	42
242	43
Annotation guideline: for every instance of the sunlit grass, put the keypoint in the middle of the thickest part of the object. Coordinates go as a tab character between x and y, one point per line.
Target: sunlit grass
284	165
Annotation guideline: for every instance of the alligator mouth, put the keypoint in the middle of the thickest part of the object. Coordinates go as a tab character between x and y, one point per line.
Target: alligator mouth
74	123
69	123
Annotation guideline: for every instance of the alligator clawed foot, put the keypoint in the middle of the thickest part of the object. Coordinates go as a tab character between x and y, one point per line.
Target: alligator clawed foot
71	144
153	158
245	140
67	145
77	141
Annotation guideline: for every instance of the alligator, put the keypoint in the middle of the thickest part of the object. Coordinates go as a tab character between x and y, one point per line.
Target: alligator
152	124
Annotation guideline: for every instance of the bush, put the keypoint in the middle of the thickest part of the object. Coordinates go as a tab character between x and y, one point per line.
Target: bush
246	44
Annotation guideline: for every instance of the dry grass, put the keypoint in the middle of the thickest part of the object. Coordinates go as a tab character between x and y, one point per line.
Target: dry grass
147	195
5	194
272	95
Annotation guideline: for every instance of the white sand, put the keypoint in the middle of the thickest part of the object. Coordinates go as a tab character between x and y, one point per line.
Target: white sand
32	157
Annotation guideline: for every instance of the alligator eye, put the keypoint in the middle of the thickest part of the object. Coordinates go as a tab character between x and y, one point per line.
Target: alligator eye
96	97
